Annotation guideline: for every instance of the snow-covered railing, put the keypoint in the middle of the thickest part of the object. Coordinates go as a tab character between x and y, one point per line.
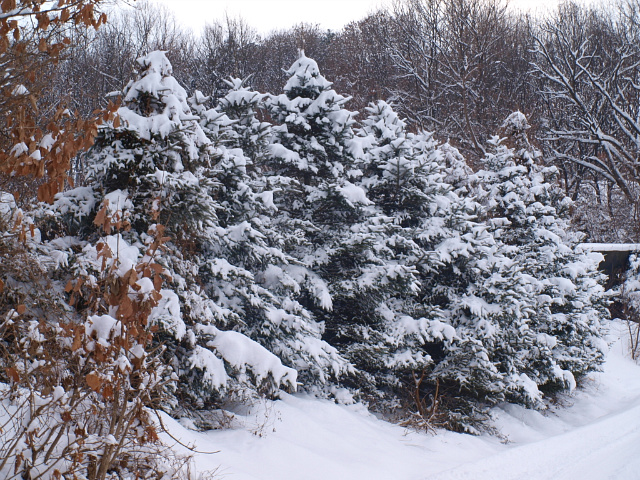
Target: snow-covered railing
616	258
609	247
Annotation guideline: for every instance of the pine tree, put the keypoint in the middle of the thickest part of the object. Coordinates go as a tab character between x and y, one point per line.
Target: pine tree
262	279
395	178
311	159
314	160
559	330
226	318
460	257
313	155
242	105
263	305
97	352
450	324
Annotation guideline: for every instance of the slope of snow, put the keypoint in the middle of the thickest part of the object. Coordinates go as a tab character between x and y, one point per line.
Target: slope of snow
591	434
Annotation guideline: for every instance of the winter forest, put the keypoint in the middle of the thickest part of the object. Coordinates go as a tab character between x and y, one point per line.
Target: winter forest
389	215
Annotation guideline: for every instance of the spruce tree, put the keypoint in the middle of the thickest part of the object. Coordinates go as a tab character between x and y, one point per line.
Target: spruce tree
226	317
315	161
265	308
390	178
313	154
448	323
559	334
242	106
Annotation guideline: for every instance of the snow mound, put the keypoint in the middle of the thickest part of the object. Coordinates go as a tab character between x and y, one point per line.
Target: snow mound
592	434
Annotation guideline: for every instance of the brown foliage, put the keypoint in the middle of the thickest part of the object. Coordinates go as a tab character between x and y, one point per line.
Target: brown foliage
39	135
81	401
88	396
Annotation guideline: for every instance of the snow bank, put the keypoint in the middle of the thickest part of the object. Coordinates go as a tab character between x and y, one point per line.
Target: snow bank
591	434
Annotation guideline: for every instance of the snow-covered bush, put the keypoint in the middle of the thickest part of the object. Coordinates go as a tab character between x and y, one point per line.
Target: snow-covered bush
78	376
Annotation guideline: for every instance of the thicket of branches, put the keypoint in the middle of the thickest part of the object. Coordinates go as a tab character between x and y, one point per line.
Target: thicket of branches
80	376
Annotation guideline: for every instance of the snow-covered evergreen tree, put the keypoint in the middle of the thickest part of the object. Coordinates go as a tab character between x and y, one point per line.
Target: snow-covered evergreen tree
313	162
313	155
396	179
227	317
460	257
450	324
264	288
559	324
310	160
241	105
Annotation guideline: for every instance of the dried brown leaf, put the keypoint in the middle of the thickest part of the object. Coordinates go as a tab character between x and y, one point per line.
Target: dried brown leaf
77	341
94	382
100	216
12	373
107	391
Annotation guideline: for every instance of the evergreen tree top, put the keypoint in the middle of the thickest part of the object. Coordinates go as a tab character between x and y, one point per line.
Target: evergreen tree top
155	104
156	62
240	95
383	123
515	123
515	127
305	79
155	79
315	134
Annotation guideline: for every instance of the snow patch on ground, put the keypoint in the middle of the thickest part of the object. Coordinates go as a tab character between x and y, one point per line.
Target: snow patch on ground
592	433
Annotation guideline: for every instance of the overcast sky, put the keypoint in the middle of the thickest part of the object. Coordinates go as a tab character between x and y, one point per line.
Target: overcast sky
267	15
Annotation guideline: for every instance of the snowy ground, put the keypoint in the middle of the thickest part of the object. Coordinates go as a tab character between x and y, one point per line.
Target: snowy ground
594	435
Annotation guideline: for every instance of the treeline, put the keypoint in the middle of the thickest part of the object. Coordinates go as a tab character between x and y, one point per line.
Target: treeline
451	67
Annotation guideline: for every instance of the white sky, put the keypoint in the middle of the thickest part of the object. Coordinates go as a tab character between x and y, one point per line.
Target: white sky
267	15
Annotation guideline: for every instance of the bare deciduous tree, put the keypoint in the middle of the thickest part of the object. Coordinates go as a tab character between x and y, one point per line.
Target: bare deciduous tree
588	60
